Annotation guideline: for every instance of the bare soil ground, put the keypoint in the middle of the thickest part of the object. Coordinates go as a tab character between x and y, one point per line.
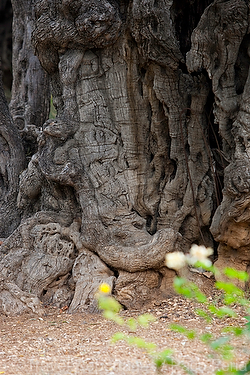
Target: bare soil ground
59	343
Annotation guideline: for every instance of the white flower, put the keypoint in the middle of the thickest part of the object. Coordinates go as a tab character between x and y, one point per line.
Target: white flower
176	260
200	254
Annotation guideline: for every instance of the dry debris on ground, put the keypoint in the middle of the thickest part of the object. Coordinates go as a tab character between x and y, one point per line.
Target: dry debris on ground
59	343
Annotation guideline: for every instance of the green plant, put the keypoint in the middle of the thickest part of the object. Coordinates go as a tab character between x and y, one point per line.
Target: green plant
231	294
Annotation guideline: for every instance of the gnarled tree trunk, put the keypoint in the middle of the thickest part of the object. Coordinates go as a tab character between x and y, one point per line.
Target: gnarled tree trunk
151	106
225	25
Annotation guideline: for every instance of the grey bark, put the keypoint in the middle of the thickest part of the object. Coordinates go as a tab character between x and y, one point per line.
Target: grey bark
6	43
126	173
12	162
30	88
226	26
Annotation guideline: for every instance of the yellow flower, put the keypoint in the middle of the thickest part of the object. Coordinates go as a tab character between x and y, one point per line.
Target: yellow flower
105	288
176	260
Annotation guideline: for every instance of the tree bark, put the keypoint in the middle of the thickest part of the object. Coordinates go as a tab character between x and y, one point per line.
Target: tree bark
226	25
6	44
11	165
150	110
30	89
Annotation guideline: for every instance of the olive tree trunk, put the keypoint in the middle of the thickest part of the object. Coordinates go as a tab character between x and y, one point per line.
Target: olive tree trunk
152	104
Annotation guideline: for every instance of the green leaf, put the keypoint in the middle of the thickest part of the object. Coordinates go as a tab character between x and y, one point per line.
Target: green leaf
227	351
140	343
237	331
247	325
118	336
222	347
220	372
204	315
226	311
189	289
181	283
131	322
234	274
150	347
110	315
186	369
109	303
216	344
227	372
245	370
164	357
206	337
200	264
190	334
243	302
145	319
222	311
229	299
229	288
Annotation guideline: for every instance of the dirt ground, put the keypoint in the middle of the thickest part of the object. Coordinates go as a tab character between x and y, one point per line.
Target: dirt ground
59	343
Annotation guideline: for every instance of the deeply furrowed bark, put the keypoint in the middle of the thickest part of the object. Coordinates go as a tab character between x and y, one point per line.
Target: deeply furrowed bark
6	44
125	172
226	26
11	164
30	89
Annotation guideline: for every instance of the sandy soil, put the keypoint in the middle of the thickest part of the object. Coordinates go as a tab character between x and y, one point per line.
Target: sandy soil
59	343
